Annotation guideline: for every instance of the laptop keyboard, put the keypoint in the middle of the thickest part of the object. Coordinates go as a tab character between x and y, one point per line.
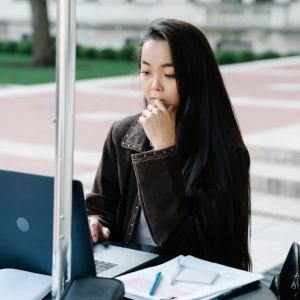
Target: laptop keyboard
103	266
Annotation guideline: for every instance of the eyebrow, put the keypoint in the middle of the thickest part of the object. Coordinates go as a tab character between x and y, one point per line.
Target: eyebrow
162	66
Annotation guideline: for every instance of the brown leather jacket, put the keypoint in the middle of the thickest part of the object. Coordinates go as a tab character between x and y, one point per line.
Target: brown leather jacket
132	177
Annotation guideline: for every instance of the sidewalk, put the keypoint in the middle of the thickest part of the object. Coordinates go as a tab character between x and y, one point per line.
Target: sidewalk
266	99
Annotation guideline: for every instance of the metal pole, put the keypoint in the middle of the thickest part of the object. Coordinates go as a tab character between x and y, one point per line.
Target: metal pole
65	82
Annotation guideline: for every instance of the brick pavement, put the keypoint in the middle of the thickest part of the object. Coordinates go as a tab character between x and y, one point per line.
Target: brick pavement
265	96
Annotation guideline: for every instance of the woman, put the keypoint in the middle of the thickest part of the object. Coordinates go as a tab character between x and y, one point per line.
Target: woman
177	175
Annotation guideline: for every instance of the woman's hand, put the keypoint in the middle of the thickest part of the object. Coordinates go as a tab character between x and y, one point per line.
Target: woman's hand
159	124
98	232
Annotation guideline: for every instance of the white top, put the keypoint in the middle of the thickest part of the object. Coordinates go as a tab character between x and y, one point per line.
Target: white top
141	233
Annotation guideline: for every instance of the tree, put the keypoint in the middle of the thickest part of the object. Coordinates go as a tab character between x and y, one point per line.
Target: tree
43	51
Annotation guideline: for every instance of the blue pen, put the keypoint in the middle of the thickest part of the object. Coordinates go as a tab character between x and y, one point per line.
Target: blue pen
157	278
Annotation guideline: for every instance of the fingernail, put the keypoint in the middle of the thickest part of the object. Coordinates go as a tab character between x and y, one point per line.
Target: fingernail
94	239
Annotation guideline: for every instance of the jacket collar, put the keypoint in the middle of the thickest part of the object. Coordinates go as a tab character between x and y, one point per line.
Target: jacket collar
135	138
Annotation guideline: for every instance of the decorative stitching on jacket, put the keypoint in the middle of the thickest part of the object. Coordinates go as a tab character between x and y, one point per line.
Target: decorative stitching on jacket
136	159
129	145
133	216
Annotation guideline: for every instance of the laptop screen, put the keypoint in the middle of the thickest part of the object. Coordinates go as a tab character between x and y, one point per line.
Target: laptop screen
26	225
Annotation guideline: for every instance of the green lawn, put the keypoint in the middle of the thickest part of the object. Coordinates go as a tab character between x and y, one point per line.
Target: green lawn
85	69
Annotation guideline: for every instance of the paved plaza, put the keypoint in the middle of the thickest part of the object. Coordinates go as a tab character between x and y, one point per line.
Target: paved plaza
266	100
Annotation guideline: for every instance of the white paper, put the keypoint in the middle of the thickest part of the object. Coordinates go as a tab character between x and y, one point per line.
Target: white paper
138	284
23	285
192	275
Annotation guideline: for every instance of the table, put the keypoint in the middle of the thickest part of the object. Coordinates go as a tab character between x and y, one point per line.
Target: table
254	291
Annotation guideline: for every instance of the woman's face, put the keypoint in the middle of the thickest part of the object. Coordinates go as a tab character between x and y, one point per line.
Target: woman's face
157	75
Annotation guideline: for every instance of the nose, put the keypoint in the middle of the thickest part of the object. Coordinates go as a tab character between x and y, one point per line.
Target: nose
156	86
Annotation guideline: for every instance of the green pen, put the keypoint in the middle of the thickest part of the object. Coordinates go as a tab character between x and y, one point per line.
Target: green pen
155	284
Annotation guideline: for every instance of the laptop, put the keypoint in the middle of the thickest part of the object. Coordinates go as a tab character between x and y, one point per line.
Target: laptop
26	227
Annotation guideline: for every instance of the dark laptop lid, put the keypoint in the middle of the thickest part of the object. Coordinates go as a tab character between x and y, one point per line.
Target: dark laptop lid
26	225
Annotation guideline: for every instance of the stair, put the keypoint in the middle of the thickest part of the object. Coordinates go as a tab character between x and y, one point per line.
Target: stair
275	205
275	171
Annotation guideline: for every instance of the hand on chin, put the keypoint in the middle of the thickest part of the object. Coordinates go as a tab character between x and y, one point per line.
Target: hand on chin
158	122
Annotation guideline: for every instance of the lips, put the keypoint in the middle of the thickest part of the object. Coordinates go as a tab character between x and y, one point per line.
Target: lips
153	98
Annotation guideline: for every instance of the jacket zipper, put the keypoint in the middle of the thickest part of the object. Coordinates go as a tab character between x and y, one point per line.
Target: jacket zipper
295	284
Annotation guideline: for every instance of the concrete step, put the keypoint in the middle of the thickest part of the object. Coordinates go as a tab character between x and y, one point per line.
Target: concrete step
275	205
268	177
271	240
278	144
280	179
278	155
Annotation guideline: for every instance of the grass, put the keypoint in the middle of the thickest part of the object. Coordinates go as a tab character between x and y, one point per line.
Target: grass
15	69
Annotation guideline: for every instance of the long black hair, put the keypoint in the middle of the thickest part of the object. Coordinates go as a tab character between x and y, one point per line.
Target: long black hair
208	137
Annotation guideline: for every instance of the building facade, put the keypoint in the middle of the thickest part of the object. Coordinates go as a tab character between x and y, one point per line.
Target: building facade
258	25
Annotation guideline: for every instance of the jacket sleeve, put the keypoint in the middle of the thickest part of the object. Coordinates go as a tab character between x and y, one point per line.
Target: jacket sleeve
194	225
162	197
105	196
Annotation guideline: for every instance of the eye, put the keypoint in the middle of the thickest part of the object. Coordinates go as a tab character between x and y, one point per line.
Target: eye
144	72
170	76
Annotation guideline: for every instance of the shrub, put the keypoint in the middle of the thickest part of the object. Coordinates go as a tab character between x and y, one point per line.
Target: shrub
2	46
128	52
9	46
25	47
268	55
99	53
80	51
292	54
90	53
54	48
108	53
245	56
225	57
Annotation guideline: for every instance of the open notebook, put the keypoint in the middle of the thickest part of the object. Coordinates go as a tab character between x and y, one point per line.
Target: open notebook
23	285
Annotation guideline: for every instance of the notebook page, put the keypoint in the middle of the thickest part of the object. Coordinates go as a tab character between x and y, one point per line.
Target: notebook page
23	285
